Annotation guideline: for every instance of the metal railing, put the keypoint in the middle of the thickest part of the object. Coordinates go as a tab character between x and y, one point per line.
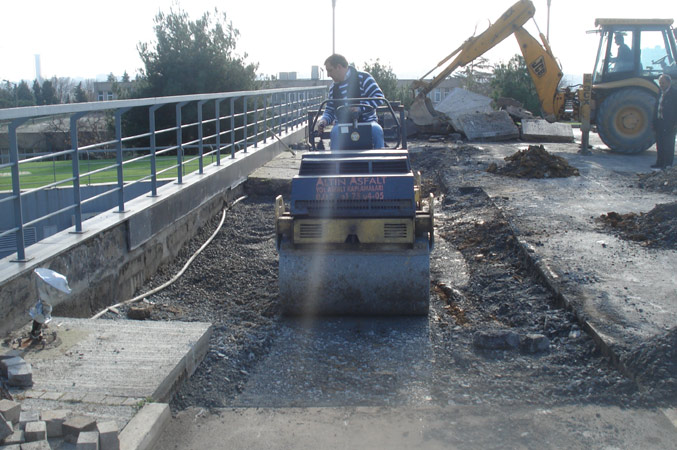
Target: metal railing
235	121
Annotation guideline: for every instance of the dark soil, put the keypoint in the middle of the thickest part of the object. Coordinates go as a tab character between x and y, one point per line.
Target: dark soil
660	181
535	162
656	228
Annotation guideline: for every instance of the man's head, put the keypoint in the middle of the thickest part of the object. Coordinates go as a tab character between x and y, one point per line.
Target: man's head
337	67
619	39
664	81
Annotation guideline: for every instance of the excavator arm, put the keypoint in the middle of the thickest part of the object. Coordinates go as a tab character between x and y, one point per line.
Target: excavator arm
541	63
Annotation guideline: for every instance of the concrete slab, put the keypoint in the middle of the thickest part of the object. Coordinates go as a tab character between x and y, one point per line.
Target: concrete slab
539	130
143	431
106	370
460	102
490	126
101	358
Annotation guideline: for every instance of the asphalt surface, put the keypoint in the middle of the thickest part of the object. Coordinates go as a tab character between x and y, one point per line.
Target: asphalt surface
621	292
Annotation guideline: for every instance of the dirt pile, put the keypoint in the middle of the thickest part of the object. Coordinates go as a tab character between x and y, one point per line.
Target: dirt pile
535	162
661	181
655	364
657	228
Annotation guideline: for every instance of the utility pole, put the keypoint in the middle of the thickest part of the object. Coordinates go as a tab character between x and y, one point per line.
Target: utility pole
333	26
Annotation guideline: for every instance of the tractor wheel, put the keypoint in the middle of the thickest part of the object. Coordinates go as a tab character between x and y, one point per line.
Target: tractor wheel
625	120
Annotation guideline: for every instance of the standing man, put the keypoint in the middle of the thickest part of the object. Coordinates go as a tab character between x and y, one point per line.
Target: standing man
351	83
665	123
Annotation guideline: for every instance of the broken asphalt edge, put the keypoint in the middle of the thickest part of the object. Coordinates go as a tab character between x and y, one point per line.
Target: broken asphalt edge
549	278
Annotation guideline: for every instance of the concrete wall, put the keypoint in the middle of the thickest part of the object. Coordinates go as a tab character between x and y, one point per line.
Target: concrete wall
118	252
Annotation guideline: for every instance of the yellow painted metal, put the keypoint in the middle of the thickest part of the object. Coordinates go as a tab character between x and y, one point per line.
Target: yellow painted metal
544	71
628	82
367	230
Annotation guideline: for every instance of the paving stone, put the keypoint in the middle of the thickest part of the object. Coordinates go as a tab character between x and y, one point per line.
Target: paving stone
5	428
52	395
496	340
20	375
72	397
6	363
108	435
28	416
88	440
54	419
37	445
10	410
17	437
35	431
76	425
11	447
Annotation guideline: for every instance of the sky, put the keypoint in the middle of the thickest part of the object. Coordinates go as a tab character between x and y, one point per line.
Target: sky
90	39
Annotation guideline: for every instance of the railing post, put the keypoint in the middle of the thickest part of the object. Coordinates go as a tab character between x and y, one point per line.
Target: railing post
153	150
244	122
265	118
256	121
232	127
217	130
75	159
16	190
179	141
200	136
120	159
286	112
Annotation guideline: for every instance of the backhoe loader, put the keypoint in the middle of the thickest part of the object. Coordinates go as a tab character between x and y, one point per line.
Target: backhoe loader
618	99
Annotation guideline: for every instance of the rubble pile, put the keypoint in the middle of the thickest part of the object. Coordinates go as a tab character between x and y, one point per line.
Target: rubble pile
535	162
657	228
662	181
655	364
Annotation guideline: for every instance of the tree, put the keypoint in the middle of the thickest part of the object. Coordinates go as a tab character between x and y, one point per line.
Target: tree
513	80
37	93
193	57
384	76
125	77
476	76
188	57
79	94
49	93
24	95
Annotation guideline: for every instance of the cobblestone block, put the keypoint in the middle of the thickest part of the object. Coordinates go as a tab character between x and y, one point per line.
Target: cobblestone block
37	445
35	431
76	425
88	440
55	419
10	410
5	428
28	416
15	438
108	435
20	375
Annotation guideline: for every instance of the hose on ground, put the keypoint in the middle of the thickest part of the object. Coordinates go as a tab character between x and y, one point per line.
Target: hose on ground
178	275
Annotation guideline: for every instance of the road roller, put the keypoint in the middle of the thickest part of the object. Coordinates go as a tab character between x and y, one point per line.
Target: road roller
356	236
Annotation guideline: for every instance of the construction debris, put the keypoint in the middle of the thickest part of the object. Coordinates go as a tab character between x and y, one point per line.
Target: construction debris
657	228
488	126
660	181
539	130
460	102
535	162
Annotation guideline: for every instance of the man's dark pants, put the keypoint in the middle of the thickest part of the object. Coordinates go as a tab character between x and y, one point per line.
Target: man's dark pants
665	146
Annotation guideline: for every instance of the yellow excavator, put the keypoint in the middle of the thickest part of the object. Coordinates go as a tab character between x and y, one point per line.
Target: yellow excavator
618	97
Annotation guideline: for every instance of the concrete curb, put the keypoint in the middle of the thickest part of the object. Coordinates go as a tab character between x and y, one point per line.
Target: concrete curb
549	278
143	431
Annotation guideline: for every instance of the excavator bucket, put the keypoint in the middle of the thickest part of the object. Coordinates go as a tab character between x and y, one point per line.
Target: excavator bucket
422	111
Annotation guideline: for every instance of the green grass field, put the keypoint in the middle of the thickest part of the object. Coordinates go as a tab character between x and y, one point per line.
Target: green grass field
36	174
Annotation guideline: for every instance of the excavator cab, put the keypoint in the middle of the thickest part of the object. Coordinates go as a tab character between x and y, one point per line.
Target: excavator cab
634	48
632	54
